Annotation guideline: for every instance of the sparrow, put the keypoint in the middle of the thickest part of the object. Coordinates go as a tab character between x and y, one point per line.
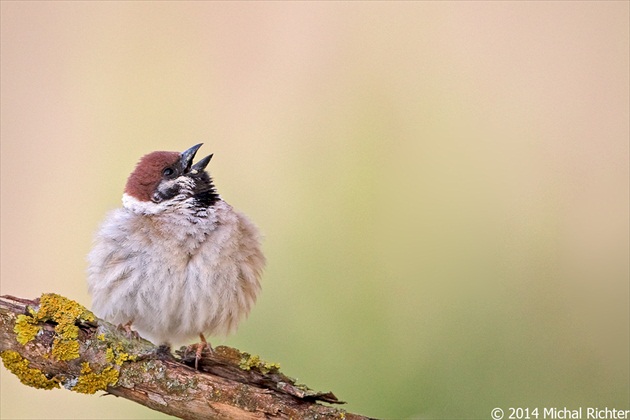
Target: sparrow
176	262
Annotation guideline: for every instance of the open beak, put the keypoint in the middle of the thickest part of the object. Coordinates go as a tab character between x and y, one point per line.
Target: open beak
187	158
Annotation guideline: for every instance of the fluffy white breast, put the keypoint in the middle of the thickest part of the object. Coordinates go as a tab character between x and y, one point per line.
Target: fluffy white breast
175	273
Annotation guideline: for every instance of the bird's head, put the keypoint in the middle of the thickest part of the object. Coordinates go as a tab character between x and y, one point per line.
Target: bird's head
168	180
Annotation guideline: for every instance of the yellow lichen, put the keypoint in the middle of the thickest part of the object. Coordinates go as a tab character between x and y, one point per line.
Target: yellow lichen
65	312
89	382
28	376
117	355
62	311
66	315
25	328
123	357
248	362
109	355
65	349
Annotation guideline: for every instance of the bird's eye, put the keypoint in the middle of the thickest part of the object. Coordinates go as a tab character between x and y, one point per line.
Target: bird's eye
168	172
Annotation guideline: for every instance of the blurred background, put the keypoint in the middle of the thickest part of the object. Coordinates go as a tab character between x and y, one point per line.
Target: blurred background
443	187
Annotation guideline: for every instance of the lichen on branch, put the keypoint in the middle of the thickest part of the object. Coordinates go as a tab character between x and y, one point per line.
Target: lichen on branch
61	319
54	342
19	366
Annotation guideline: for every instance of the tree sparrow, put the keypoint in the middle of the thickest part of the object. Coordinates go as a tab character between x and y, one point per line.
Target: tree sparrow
176	261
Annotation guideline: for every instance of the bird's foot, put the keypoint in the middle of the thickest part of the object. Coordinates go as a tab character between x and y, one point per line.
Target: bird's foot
163	352
200	346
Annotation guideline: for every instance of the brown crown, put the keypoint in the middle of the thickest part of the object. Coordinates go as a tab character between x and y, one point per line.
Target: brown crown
148	173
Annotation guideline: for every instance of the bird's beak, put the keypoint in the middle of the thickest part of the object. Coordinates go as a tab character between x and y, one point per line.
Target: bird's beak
188	155
201	165
187	158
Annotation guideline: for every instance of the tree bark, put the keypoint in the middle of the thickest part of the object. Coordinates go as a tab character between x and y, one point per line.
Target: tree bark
54	342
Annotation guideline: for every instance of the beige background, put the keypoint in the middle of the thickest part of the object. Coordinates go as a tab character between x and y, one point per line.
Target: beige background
443	186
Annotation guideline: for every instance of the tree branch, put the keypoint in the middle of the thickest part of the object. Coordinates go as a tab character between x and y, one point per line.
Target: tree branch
54	342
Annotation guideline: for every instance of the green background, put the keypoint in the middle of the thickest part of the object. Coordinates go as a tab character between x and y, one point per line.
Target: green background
443	187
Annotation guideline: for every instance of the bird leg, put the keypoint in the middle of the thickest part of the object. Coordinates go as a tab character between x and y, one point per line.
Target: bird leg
126	327
200	346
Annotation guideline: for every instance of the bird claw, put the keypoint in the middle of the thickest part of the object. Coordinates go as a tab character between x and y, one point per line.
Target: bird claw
200	346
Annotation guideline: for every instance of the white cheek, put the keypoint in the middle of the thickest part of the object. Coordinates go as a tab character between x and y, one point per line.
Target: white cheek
142	207
166	185
183	183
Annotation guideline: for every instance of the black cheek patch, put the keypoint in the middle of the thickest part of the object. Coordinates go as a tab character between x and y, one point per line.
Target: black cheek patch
162	194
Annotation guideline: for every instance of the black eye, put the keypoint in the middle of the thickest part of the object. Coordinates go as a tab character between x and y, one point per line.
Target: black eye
168	172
